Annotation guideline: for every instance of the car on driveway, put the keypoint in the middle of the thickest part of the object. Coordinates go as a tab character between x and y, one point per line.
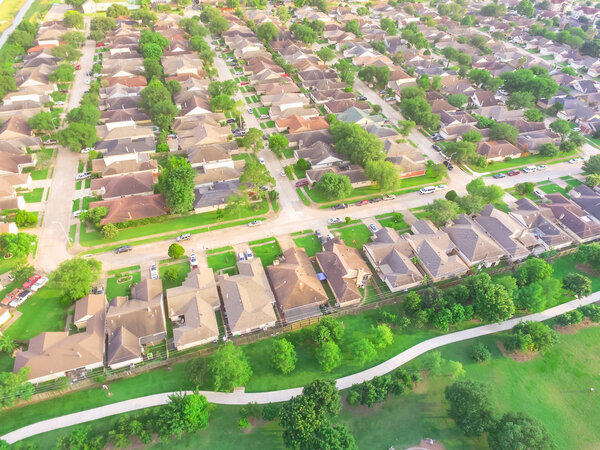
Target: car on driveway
499	175
255	223
83	175
193	261
123	249
301	183
183	237
79	213
153	271
389	197
230	121
373	228
437	147
31	281
241	256
100	44
261	160
334	220
513	173
362	98
20	299
282	173
249	254
362	203
427	190
11	296
340	206
448	165
39	284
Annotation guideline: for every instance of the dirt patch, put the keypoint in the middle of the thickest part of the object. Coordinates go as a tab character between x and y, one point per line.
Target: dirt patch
254	422
586	268
428	444
571	329
517	355
421	386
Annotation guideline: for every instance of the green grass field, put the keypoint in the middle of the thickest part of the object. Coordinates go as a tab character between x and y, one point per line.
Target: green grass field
114	289
34	196
182	268
394	220
267	252
41	174
354	236
43	311
221	260
309	243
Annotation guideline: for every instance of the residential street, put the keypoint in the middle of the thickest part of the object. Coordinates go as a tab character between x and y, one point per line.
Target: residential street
242	398
53	235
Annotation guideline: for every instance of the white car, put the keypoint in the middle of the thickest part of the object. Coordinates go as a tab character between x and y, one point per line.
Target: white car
193	261
249	110
241	256
529	169
86	150
427	190
541	167
80	212
153	271
282	173
389	197
87	81
373	228
59	103
39	284
261	160
83	175
441	187
255	223
249	254
576	160
335	220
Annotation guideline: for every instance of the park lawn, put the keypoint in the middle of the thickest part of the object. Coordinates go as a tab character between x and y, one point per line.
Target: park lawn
182	268
309	243
34	196
9	10
179	224
43	311
395	221
114	289
267	252
41	174
355	236
221	260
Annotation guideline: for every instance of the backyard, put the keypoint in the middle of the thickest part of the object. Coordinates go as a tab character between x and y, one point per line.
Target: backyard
120	285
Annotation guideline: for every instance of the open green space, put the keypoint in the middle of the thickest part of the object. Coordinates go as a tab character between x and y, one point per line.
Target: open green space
497	166
114	289
43	311
219	250
123	270
354	236
72	233
303	198
76	203
309	243
267	252
34	196
262	241
394	220
41	174
182	269
6	362
179	224
221	260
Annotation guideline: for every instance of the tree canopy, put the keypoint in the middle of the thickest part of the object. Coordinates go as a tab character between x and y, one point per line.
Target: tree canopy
76	276
176	182
334	186
229	368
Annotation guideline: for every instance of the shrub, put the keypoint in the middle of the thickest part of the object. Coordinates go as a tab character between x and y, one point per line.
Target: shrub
592	312
270	412
570	318
480	353
171	274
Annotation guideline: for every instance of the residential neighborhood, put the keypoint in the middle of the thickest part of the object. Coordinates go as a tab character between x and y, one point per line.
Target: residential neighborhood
219	217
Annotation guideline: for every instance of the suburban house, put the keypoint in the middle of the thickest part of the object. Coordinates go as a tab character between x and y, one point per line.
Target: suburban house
125	167
390	255
57	354
132	324
86	308
345	271
586	198
298	124
577	222
247	298
498	150
298	291
191	309
354	172
132	208
360	116
410	162
124	185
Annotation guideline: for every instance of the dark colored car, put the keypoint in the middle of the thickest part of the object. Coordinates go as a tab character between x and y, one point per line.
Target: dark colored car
362	202
340	206
301	183
448	164
123	249
437	147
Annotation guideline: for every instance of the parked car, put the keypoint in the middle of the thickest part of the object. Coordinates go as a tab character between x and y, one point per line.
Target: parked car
529	169
318	234
64	91
362	203
513	173
499	175
541	167
389	197
230	121
576	160
264	116
264	188
79	213
441	187
427	190
250	110
20	299
334	220
340	206
40	283
183	237
249	254
282	173
437	147
241	256
11	296
261	160
59	103
539	193
255	223
448	164
153	271
78	67
123	249
31	281
330	236
193	261
100	44
86	150
244	83
301	183
50	142
373	228
83	175
362	98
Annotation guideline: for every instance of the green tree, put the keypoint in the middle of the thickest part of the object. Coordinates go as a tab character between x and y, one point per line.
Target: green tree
267	32
441	211
283	356
283	13
532	271
562	127
592	180
183	413
458	100
256	175
534	115
329	356
384	173
325	396
63	73
578	284
406	126
153	69
221	103
359	145
304	33
389	26
525	8
592	165
78	135
333	437
480	353
75	277
252	140
503	130
278	143
175	251
470	406
326	54
531	297
152	51
516	430
345	71
117	11
73	19
229	368
80	438
42	121
334	186
531	336
383	336
363	351
176	182
352	27
109	231
17	245
494	305
549	150
520	100
87	113
66	52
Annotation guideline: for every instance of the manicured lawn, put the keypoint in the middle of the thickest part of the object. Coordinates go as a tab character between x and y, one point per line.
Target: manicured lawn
78	185
123	270
219	250
270	124
309	243
72	232
263	110
519	162
354	236
114	289
85	202
76	203
6	362
267	252
179	224
41	174
302	196
43	311
299	172
34	196
395	221
182	268
552	189
221	260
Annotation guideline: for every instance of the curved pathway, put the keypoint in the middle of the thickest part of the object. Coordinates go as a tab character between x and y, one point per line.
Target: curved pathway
242	398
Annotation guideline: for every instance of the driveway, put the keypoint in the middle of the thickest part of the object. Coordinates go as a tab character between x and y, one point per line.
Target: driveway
242	398
53	236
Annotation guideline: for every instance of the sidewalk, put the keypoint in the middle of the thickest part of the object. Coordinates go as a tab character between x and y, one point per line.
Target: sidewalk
242	398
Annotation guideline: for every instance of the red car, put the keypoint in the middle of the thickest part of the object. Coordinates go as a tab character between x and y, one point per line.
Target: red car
362	202
244	83
512	173
100	44
11	296
32	280
78	66
301	183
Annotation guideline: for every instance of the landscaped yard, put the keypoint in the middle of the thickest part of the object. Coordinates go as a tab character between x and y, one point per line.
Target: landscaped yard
309	243
515	163
34	196
43	311
392	220
41	174
115	289
182	268
354	236
267	252
221	260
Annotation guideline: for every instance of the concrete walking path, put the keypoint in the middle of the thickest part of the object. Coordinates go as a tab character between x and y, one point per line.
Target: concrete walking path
242	398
